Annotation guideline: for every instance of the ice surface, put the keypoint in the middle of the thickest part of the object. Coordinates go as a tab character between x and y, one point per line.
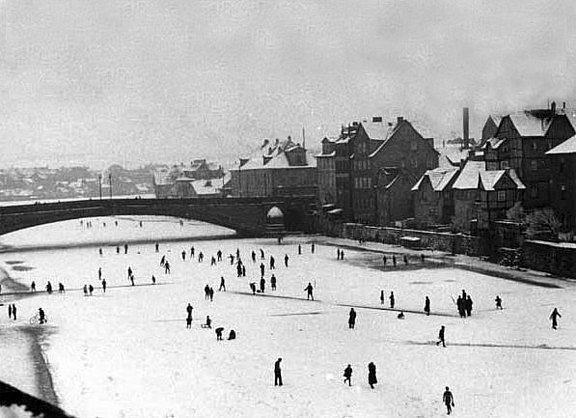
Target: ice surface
127	353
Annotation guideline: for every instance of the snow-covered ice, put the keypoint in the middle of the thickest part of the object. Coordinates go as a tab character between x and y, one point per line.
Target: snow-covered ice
127	353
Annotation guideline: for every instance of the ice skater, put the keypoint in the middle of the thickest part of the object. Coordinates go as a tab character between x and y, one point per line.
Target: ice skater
90	289
262	267
183	255
448	399
273	282
189	310
219	331
262	285
348	375
427	306
372	375
232	335
104	285
253	287
309	291
299	249
382	297
554	317
222	284
498	301
9	311
392	300
352	318
167	268
41	316
14	311
468	306
277	373
441	337
33	286
394	260
272	263
286	259
188	322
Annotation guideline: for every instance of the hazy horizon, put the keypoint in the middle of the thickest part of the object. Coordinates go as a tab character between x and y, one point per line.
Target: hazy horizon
136	81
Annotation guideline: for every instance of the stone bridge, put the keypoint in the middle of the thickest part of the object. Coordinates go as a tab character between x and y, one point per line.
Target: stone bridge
248	216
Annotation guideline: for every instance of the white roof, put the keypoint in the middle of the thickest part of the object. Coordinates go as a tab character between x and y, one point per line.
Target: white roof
566	147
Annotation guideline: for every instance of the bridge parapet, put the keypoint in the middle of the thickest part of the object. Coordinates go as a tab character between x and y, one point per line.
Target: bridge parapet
245	215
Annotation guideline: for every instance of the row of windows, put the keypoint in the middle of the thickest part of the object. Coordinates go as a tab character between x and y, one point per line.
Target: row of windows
362	182
495	165
361	165
364	204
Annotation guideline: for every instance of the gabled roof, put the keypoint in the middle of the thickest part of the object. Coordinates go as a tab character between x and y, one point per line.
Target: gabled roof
439	178
393	131
529	125
566	147
494	142
474	175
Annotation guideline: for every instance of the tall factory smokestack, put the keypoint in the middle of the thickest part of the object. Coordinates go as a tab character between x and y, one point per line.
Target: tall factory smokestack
465	128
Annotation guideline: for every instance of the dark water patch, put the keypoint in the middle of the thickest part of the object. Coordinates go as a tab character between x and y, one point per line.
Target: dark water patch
299	314
22	268
13	262
416	282
38	336
13	397
378	308
491	345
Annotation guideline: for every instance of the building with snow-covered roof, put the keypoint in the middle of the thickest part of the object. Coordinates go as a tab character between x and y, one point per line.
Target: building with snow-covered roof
369	169
521	142
433	196
279	169
483	196
563	182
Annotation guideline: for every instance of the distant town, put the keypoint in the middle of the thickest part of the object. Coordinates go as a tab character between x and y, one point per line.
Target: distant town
375	172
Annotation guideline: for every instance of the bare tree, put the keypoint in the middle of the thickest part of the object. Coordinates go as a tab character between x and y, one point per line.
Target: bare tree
516	213
543	222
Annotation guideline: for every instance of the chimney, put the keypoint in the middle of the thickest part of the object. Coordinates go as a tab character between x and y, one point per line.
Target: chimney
465	128
377	119
400	119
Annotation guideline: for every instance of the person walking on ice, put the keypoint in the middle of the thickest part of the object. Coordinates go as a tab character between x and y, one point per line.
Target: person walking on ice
441	337
273	282
352	318
448	399
286	259
554	317
166	267
498	301
427	306
277	373
372	375
392	300
348	375
382	297
222	284
309	289
104	285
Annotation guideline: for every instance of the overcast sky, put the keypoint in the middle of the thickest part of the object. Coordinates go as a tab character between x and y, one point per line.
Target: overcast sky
134	81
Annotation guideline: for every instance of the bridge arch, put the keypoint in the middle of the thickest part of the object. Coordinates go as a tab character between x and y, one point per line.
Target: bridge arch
247	216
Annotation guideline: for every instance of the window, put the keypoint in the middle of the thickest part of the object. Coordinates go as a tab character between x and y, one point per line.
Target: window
534	146
413	145
492	165
504	165
563	192
533	165
501	196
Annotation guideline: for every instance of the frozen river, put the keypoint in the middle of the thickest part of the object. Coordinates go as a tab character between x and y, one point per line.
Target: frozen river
127	352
